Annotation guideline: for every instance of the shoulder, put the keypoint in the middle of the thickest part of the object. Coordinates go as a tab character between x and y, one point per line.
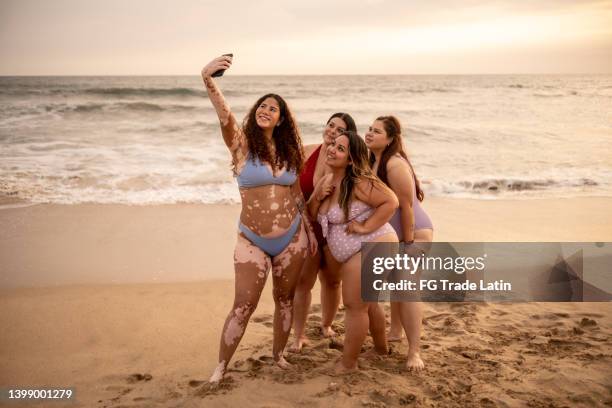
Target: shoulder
396	162
363	185
310	149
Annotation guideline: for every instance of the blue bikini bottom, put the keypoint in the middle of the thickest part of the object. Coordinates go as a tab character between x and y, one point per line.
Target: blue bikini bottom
272	246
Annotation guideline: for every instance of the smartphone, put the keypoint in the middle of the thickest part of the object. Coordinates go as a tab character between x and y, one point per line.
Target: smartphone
221	71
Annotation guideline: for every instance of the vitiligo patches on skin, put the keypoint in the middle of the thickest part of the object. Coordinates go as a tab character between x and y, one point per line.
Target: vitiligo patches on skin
223	110
277	270
286	312
217	375
237	324
297	246
247	253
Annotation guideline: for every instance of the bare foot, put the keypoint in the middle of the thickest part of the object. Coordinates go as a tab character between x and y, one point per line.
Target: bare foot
217	375
297	345
340	369
284	364
327	331
414	363
394	337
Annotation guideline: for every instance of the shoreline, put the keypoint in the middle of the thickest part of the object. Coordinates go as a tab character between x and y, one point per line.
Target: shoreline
56	244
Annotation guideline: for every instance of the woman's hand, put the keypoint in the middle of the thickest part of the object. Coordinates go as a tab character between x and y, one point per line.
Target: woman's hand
312	238
326	189
222	62
355	227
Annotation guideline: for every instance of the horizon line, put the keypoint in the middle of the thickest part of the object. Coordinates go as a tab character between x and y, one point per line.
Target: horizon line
290	75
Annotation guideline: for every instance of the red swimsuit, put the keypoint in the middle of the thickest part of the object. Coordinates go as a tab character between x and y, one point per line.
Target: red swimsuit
307	175
307	185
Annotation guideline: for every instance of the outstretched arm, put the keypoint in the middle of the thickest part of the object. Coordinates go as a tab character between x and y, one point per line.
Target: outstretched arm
232	135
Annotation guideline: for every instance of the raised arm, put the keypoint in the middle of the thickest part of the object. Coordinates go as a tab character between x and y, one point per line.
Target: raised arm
401	181
377	196
232	135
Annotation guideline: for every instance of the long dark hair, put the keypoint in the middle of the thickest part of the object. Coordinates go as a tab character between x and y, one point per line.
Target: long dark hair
286	138
346	118
394	132
358	167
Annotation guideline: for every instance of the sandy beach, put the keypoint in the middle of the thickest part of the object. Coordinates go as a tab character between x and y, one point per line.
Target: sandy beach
125	304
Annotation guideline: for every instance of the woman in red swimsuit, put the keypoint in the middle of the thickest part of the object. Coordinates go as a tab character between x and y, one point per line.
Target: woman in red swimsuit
322	263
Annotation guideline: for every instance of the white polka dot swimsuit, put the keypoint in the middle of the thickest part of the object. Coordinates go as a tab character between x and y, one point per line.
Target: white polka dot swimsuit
342	244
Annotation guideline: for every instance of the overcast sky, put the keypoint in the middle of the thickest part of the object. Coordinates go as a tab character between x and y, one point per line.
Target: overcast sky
155	37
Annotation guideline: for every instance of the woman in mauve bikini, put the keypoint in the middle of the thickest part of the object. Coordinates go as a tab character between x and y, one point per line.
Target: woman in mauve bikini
410	221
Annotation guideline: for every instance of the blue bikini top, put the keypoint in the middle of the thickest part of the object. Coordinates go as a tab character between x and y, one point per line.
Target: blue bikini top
255	174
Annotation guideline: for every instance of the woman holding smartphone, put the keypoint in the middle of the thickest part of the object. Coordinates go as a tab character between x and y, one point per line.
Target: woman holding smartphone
274	231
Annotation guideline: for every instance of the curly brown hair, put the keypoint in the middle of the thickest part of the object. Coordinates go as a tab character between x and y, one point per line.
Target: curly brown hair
286	136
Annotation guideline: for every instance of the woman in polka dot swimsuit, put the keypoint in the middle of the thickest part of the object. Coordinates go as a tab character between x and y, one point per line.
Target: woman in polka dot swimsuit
353	206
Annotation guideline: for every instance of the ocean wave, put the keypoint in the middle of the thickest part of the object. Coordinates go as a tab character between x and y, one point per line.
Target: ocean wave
101	193
122	106
550	95
505	185
142	189
118	92
428	90
145	91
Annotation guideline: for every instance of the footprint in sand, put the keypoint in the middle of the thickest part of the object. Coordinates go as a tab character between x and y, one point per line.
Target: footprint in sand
121	390
205	388
266	320
134	378
586	322
316	308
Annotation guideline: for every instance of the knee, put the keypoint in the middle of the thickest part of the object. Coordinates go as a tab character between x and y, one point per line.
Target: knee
284	298
356	306
244	309
333	284
306	282
330	282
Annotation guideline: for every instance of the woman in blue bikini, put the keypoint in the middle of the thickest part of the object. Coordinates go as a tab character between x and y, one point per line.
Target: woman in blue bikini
274	231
